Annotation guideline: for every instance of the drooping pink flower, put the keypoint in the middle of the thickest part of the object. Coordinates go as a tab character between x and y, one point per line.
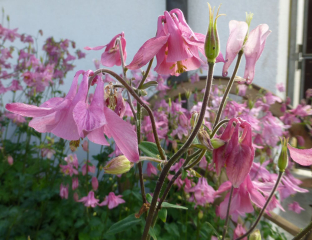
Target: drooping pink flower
253	49
150	169
72	159
295	207
242	90
238	31
68	169
76	197
47	152
239	231
95	183
203	193
242	199
75	183
301	156
176	46
64	191
72	118
111	56
91	168
237	154
10	160
112	200
85	146
280	87
90	200
16	118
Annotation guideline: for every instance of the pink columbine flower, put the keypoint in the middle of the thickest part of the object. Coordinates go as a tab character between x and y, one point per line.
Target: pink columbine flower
203	193
85	146
111	56
90	200
280	87
95	183
239	231
68	169
72	118
10	160
252	48
176	46
295	207
91	168
243	197
238	152
238	31
112	200
46	152
150	169
72	159
64	191
16	118
75	183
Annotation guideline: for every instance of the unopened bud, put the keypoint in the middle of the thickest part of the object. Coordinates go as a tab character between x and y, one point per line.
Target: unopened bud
204	139
255	235
200	215
118	165
212	44
283	158
193	120
10	160
217	142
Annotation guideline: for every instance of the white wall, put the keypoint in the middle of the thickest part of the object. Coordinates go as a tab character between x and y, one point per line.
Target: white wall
272	65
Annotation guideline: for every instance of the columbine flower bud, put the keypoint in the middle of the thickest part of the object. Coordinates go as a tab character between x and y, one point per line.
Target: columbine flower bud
283	158
255	235
194	119
204	139
212	44
118	165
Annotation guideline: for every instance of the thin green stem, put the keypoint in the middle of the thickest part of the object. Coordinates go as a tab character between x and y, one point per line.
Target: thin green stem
304	232
178	154
225	227
146	73
228	88
280	175
215	130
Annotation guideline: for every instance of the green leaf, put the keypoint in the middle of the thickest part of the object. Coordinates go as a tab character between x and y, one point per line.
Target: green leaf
149	149
169	205
184	174
123	225
149	197
172	228
84	236
212	228
162	214
149	84
152	233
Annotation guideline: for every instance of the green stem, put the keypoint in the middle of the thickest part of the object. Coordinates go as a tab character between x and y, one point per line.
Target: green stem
228	88
280	175
215	130
305	231
225	227
178	154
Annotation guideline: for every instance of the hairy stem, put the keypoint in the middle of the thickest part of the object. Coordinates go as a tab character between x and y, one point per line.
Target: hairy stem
216	128
305	231
179	153
177	174
280	175
225	227
228	88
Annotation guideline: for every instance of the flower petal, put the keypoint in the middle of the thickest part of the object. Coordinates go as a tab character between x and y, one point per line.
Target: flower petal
123	134
301	156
